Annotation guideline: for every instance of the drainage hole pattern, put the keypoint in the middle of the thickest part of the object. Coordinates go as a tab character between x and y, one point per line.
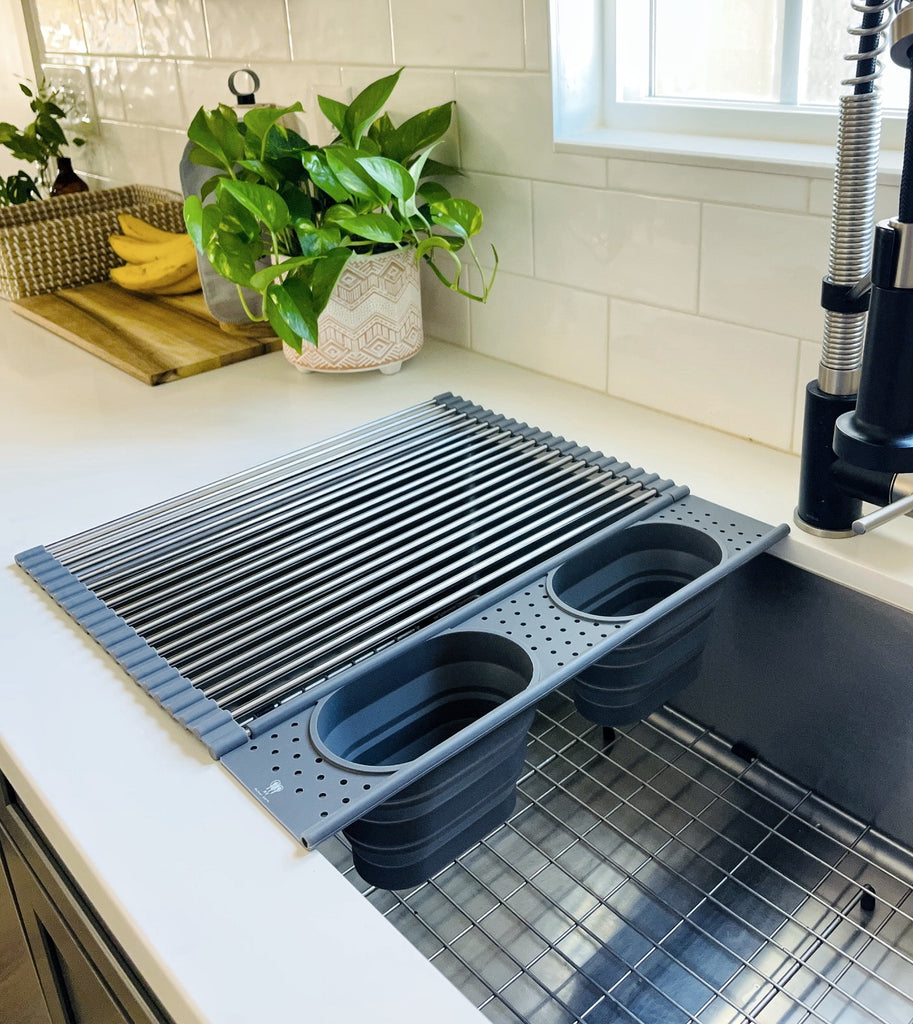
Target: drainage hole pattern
553	636
285	772
733	533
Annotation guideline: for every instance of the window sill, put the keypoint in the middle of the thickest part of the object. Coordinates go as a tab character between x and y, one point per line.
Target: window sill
813	161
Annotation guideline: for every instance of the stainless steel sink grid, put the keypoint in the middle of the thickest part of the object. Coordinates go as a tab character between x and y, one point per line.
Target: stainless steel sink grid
662	879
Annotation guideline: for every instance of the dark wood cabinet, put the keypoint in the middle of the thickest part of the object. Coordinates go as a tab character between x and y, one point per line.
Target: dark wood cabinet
73	965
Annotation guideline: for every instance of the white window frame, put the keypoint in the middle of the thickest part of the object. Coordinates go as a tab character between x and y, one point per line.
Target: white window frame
589	118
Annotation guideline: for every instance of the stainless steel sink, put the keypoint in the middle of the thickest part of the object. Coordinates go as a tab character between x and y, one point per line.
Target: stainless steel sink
755	868
665	879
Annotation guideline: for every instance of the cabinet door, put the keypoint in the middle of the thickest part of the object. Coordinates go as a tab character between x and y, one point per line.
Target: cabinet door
85	975
74	990
21	998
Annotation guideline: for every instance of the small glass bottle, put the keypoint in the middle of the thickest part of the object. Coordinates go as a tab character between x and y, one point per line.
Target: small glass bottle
67	180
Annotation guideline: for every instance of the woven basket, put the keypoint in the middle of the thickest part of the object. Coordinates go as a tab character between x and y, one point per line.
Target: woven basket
63	242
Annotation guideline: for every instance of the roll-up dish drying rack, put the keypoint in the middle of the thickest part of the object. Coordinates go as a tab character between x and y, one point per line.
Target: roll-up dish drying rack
360	631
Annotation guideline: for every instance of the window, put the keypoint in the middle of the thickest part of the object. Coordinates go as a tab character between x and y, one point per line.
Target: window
704	76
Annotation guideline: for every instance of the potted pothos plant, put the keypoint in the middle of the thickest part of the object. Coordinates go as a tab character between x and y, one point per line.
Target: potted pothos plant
284	217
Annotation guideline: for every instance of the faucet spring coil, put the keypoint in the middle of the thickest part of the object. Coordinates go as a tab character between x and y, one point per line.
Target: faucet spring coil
872	31
855	178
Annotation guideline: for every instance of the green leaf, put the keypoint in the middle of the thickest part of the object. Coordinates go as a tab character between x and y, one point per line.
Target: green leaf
326	273
25	89
344	163
212	219
321	175
368	147
439	170
433	192
231	258
50	132
381	132
209	186
260	119
203	158
389	175
460	216
419	132
263	171
18	188
265	204
193	220
233	217
316	241
278	324
367	106
410	208
300	205
291	312
376	227
432	242
262	278
335	113
286	143
212	133
224	124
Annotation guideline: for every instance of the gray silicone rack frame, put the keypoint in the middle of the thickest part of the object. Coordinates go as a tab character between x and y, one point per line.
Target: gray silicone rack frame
559	585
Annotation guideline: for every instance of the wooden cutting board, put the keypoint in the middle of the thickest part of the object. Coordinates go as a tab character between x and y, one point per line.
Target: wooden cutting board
155	339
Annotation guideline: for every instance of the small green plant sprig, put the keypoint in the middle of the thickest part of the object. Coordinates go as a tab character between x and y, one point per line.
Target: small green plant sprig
35	144
305	209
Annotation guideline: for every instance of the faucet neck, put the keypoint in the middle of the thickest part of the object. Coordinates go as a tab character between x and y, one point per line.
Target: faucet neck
878	433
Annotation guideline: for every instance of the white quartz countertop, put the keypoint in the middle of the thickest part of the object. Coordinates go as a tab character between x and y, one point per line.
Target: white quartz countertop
227	918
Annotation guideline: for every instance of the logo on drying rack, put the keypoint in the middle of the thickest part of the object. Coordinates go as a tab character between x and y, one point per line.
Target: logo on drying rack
271	790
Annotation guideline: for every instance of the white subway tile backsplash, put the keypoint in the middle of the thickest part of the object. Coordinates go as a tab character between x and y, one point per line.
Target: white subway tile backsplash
111	26
468	34
341	31
555	330
173	28
206	85
506	128
126	153
636	247
763	269
445	314
248	30
171	148
731	378
109	101
150	92
536	35
60	24
506	205
886	202
821	196
743	188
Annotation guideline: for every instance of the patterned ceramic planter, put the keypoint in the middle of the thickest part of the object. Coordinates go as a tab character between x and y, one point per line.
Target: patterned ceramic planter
372	322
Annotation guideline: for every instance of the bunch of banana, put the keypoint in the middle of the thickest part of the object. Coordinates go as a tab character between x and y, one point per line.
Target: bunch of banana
157	262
